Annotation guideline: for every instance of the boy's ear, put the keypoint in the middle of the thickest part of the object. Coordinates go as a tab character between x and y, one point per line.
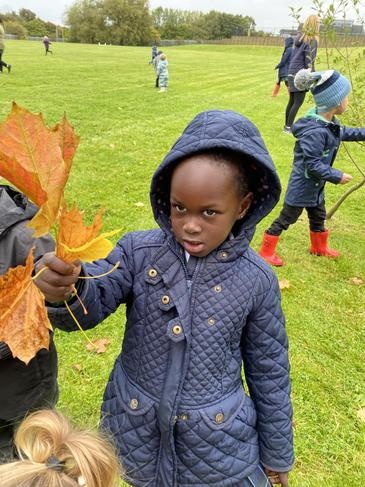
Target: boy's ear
245	205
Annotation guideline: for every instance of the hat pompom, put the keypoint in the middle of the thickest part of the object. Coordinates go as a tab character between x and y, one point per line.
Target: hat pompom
303	80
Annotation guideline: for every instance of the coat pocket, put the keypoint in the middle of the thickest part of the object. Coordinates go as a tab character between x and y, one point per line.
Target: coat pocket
218	442
130	415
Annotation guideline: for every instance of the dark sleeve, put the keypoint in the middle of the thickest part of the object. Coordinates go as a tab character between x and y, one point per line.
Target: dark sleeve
265	355
284	59
310	54
315	162
352	134
100	296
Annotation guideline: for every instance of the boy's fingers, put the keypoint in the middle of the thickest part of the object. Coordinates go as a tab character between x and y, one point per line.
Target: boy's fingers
54	263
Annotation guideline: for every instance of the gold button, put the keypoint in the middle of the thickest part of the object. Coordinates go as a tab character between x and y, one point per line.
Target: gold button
177	330
219	417
211	321
133	404
223	255
165	299
183	417
152	273
217	289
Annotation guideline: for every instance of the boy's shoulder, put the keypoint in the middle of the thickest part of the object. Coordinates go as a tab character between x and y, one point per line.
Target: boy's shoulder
260	269
145	238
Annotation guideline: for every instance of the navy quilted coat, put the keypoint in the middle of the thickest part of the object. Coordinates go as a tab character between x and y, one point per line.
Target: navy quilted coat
175	401
318	141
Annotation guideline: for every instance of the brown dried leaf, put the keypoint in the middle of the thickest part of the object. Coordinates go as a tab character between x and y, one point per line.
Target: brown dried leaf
357	281
98	346
361	414
24	325
284	284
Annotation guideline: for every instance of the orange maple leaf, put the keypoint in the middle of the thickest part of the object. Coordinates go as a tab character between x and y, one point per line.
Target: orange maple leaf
37	160
24	324
77	241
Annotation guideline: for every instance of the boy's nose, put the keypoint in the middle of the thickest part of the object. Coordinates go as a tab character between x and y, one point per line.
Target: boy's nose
192	226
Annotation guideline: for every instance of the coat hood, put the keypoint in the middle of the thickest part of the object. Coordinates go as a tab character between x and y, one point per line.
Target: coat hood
14	207
222	129
312	120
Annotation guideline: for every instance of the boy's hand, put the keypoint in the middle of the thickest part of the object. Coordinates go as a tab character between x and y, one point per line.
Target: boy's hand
346	178
58	280
281	478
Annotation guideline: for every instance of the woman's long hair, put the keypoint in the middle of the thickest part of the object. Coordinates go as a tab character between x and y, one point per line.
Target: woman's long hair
311	28
55	454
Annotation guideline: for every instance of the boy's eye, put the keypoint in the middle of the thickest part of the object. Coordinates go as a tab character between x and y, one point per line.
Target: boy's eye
179	208
209	212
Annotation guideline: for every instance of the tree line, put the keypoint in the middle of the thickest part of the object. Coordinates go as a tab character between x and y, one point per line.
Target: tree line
26	24
131	22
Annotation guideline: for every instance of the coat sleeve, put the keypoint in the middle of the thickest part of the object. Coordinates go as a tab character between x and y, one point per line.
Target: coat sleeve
310	54
316	164
284	59
352	134
266	364
100	296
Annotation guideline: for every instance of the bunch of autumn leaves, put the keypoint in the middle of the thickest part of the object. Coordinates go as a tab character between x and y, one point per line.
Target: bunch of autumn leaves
37	160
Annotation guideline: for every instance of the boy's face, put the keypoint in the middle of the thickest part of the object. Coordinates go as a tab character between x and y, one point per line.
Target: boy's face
343	106
205	204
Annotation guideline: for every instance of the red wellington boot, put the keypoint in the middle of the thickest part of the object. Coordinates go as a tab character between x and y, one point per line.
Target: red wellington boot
319	245
267	250
276	90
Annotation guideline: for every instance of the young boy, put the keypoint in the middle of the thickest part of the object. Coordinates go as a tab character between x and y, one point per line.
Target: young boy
163	73
318	135
200	303
283	65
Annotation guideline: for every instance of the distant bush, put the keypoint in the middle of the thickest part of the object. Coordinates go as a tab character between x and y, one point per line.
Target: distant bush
13	27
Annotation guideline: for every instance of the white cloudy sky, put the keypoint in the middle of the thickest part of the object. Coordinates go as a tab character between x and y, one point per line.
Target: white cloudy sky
268	14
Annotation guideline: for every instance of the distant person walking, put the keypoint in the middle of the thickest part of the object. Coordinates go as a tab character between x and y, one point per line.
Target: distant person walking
163	73
304	55
2	48
283	65
47	43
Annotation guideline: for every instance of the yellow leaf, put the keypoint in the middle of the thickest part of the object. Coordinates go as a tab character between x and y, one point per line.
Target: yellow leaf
77	241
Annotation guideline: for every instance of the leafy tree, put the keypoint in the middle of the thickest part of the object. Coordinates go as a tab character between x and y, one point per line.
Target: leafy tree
15	28
27	15
86	21
127	22
36	27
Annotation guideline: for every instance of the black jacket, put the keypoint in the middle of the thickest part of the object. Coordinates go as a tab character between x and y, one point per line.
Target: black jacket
23	387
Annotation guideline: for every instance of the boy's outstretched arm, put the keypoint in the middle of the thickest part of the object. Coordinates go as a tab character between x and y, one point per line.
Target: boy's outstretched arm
58	279
264	346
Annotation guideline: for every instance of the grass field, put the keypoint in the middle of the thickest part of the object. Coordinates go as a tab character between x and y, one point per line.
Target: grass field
126	127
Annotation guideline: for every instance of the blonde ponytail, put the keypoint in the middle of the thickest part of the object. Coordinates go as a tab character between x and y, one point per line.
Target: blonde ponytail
55	454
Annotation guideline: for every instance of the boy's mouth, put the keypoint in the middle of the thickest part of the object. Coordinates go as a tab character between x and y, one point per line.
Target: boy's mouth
193	246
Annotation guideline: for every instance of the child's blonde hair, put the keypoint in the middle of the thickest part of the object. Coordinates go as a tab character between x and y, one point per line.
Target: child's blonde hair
163	57
311	28
55	454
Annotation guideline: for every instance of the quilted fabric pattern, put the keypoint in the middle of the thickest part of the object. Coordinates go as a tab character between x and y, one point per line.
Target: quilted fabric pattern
175	401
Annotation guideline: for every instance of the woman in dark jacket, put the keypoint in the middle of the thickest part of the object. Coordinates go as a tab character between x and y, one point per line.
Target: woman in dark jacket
304	55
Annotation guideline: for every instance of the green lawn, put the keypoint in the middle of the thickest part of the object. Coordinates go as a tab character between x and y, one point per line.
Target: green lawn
126	127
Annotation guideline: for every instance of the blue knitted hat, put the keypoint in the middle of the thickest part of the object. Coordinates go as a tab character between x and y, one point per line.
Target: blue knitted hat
329	87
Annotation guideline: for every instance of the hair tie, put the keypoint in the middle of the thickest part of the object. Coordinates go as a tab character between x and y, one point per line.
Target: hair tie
54	464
